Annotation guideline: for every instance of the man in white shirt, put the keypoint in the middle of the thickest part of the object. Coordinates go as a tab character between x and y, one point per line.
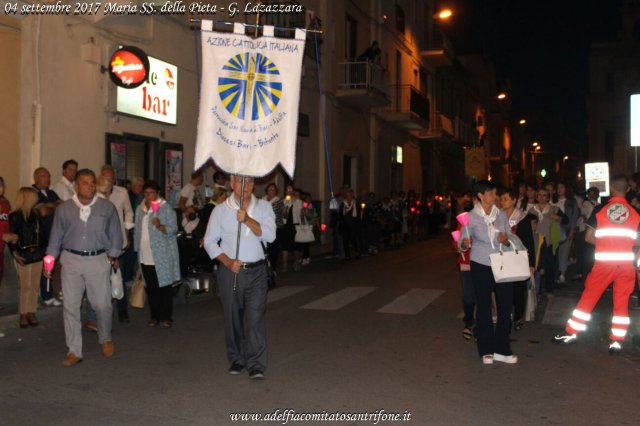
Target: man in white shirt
120	198
191	199
64	187
244	301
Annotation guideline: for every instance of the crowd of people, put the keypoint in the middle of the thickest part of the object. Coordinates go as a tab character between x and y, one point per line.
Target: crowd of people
94	227
557	228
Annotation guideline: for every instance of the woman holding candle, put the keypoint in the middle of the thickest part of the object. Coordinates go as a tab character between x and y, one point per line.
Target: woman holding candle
157	248
468	293
27	251
488	227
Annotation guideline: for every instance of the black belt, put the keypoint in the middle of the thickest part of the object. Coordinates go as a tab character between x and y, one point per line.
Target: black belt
253	264
86	253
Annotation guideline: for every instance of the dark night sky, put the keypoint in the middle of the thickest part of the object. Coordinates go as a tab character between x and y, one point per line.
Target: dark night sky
541	48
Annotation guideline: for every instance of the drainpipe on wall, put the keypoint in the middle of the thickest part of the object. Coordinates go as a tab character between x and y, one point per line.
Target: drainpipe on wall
36	145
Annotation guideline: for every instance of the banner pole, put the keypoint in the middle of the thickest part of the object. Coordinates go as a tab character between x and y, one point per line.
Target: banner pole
235	276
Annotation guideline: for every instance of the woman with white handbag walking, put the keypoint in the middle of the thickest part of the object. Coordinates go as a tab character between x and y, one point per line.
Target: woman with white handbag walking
488	228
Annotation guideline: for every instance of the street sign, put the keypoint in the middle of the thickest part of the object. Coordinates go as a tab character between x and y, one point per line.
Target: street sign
597	174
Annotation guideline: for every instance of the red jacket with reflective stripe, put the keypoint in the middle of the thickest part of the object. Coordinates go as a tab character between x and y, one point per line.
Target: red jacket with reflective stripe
616	230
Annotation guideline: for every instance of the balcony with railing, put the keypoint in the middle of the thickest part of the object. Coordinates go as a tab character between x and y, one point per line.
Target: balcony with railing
363	85
409	109
439	51
442	128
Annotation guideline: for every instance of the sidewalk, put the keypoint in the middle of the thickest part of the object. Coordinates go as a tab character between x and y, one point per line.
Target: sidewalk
9	290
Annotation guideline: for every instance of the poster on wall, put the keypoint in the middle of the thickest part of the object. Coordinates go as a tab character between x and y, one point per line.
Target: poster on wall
172	176
118	152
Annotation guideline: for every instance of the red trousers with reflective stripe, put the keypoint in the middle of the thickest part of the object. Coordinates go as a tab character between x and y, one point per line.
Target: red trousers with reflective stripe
602	274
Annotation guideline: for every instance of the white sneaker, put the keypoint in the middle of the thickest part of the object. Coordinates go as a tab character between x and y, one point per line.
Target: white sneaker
487	359
561	279
508	359
53	302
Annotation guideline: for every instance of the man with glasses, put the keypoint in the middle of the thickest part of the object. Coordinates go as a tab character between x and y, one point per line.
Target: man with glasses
242	281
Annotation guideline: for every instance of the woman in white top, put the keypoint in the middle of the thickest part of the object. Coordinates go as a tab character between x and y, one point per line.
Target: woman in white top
488	228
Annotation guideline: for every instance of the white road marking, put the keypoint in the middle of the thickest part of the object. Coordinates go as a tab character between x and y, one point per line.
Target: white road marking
339	299
412	302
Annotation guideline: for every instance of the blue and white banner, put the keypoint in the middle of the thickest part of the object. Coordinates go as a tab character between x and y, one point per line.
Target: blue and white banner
249	95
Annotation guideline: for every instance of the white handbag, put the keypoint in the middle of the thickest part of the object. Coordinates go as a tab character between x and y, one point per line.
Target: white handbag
510	266
304	234
117	289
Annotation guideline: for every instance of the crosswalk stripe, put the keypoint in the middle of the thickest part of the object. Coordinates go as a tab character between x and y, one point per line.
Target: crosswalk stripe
559	310
284	292
412	302
339	299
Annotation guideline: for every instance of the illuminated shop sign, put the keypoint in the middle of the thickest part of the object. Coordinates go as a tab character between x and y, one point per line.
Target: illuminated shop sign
597	174
157	98
128	67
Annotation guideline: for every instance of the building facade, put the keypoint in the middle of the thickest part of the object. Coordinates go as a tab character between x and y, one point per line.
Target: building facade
613	70
400	120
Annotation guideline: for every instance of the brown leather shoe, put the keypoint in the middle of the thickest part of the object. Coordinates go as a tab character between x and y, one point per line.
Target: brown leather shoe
33	321
71	360
107	348
24	322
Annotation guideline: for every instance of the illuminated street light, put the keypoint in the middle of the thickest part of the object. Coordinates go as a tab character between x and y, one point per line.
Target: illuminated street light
444	14
535	143
566	157
523	121
502	95
537	147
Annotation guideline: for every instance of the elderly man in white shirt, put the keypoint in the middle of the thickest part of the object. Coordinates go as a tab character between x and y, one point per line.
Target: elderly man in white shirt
244	302
64	187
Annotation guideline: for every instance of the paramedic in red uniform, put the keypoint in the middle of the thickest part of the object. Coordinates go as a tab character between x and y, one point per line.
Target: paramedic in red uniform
613	228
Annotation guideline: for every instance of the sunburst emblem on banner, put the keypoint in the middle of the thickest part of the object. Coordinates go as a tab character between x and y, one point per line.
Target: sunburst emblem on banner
250	83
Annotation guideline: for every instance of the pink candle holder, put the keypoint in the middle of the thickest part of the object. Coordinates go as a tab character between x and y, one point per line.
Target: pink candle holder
463	218
48	263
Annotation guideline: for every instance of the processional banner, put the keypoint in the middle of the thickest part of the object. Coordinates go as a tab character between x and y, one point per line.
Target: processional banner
249	95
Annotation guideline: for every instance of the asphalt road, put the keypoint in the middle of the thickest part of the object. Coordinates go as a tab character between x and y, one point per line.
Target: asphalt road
378	333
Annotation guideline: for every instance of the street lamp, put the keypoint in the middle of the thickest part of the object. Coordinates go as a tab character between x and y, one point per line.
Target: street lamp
502	95
564	161
522	121
444	14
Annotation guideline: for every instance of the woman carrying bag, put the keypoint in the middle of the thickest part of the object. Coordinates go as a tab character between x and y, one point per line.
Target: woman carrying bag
27	251
157	248
488	228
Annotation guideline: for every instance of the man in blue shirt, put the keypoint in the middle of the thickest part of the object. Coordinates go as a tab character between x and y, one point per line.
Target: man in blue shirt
246	299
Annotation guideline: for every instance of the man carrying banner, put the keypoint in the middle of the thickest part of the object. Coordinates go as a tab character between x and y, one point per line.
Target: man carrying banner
247	125
243	301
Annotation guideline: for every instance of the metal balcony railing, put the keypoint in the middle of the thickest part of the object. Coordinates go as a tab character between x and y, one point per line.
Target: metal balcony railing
364	75
405	98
